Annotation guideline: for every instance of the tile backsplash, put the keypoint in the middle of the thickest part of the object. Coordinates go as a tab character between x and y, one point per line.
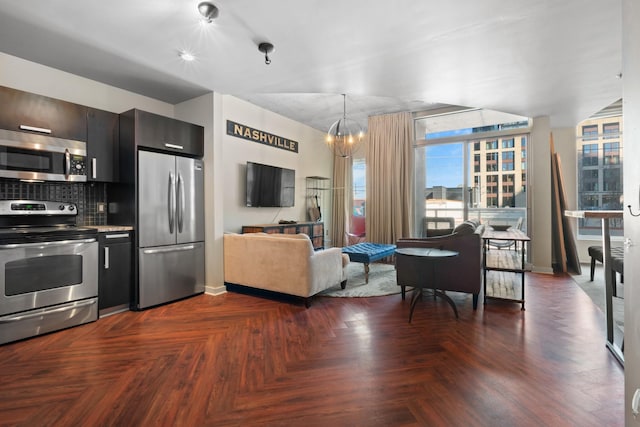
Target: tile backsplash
86	195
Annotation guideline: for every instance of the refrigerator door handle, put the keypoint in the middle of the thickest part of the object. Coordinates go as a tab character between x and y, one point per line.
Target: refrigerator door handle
168	250
172	201
181	203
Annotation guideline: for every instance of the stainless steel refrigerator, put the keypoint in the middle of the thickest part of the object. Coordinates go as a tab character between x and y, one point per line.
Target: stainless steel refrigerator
170	228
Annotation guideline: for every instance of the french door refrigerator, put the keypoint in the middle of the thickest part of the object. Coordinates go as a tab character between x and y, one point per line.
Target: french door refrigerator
170	228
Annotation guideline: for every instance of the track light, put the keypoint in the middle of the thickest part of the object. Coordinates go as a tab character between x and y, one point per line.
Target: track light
208	10
266	48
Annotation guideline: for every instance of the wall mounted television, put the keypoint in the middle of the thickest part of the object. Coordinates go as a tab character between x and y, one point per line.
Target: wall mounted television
270	186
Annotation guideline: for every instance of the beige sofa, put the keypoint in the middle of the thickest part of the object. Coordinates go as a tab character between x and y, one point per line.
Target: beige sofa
284	263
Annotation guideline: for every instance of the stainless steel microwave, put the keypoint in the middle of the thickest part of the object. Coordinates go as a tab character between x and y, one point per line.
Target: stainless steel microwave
41	158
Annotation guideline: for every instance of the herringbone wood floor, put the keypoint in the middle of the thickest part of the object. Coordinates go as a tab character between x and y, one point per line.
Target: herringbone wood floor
239	360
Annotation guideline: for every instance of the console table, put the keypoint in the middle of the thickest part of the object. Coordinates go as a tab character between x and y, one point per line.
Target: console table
315	230
504	260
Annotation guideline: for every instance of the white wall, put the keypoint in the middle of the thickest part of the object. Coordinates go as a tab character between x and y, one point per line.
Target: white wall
631	116
312	159
539	170
201	111
31	77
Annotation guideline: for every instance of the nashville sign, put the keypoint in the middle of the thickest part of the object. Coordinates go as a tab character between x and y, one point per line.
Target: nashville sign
255	135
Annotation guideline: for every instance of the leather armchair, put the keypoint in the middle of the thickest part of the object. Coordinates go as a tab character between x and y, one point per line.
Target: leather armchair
459	274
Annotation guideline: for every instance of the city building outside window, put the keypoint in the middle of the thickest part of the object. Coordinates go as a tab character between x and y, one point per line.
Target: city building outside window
492	190
492	162
611	130
600	161
508	143
589	132
590	155
507	161
611	153
508	191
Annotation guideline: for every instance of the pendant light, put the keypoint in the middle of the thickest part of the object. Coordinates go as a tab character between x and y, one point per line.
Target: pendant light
345	135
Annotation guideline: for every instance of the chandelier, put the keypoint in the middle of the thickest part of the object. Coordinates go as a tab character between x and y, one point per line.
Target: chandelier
345	135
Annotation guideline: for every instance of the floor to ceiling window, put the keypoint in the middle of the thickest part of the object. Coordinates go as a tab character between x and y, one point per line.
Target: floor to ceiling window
359	196
599	168
470	165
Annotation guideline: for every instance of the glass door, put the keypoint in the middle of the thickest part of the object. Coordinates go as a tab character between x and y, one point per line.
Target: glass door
443	197
470	164
480	179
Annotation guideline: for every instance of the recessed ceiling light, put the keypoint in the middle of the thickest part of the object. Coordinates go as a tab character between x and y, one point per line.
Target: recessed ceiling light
186	56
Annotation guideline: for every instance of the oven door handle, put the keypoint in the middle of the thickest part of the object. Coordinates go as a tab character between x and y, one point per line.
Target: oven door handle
44	312
56	243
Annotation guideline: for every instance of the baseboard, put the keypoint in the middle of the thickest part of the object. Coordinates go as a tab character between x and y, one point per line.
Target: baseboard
215	290
545	270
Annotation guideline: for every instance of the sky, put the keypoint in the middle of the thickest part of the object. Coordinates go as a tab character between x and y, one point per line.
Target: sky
444	165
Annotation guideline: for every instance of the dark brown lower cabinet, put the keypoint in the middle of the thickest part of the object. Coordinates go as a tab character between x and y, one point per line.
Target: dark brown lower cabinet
115	273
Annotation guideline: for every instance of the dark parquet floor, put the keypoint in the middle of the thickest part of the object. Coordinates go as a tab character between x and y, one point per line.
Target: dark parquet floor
241	360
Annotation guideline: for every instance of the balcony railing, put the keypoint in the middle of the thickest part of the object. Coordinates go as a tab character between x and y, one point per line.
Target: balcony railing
484	215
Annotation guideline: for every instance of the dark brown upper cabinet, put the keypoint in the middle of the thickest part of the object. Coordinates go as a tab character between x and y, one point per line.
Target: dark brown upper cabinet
27	112
163	133
102	145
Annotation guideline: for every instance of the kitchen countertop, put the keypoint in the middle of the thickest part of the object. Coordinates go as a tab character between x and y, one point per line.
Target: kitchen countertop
110	228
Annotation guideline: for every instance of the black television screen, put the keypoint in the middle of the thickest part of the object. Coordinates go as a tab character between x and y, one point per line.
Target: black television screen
270	186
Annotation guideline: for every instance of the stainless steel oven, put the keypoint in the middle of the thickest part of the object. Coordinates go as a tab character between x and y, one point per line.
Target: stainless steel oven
39	157
48	271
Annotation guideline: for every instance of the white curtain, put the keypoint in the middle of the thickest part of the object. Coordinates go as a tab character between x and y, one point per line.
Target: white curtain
390	183
342	200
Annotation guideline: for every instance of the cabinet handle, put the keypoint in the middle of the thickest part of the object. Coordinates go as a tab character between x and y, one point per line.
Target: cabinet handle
116	236
35	129
177	147
106	258
94	167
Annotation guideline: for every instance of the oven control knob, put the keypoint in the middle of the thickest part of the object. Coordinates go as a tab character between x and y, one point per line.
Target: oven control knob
61	207
71	208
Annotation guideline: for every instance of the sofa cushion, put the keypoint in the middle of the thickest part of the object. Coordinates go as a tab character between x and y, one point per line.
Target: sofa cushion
284	263
465	228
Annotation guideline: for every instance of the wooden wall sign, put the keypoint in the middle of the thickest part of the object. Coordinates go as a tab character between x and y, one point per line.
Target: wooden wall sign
261	137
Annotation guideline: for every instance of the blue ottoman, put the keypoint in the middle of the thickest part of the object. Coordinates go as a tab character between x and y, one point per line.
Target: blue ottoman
367	253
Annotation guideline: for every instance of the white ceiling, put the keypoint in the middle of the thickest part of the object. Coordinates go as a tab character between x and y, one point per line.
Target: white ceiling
538	57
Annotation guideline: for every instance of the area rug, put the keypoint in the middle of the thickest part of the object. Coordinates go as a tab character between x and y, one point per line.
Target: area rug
382	281
595	290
